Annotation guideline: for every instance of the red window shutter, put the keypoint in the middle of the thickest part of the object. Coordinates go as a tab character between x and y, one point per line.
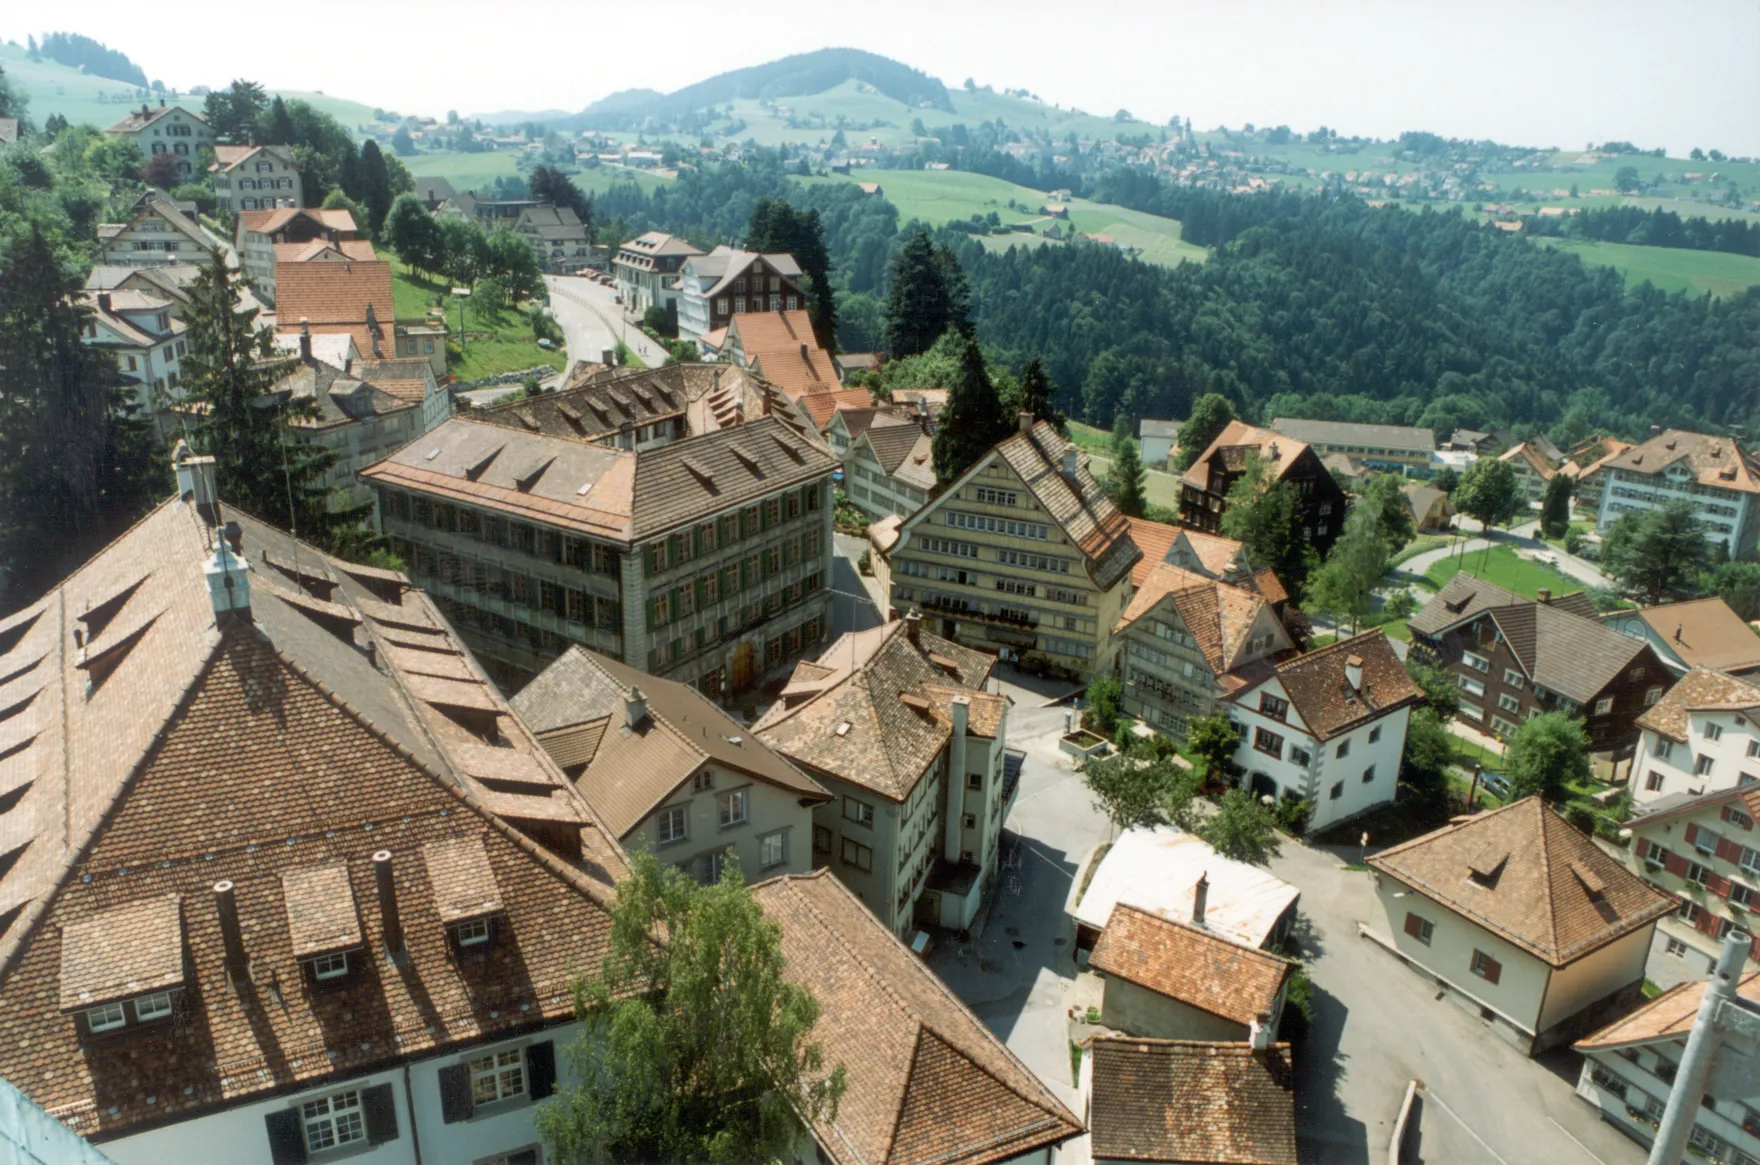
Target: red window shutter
1641	847
1705	922
1718	886
1493	970
1674	864
1754	947
1724	812
1728	850
1414	924
1692	832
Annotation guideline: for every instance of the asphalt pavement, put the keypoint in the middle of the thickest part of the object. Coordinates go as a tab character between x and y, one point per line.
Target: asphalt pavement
593	322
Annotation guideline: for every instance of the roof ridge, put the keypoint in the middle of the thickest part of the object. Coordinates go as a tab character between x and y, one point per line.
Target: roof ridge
1546	873
1206	932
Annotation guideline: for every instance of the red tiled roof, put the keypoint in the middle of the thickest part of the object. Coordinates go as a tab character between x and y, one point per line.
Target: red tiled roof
1195	966
333	298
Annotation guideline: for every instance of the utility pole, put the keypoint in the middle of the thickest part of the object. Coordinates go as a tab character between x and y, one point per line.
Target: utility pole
1721	1010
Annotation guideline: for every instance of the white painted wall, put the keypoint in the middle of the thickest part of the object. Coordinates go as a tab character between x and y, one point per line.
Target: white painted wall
1325	769
1596	975
1735	754
1519	989
768	809
239	1136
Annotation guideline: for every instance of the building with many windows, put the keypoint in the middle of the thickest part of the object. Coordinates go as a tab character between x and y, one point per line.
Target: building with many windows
1023	553
1183	641
1521	919
255	178
1703	850
1204	487
647	270
1718	476
1701	738
899	726
677	519
147	339
713	287
1629	1070
1327	726
269	237
169	129
1514	658
1396	447
669	771
156	234
1696	633
890	468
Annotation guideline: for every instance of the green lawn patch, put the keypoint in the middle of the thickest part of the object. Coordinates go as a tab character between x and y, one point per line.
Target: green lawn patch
1670	268
492	342
1089	438
1161	489
1502	566
1422	544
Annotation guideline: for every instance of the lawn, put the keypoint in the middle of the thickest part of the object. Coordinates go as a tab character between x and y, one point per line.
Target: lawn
1501	566
473	171
1090	439
1669	268
493	343
1161	489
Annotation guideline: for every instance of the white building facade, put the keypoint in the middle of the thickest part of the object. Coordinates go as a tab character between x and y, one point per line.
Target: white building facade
1701	738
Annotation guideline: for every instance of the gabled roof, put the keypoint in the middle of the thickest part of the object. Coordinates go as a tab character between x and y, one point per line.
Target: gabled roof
1745	796
1667	1017
267	222
632	770
338	351
335	298
780	347
1529	453
1190	1102
1319	689
1519	872
1219	616
167	750
929	1084
1233	444
1404	437
1466	596
228	158
1573	656
1703	633
408	380
338	398
904	452
1191	964
724	264
1716	462
139	119
823	406
1701	689
156	204
846	714
358	250
655	243
1156	869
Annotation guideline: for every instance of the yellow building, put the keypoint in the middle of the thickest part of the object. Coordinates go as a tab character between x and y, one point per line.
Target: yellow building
1023	554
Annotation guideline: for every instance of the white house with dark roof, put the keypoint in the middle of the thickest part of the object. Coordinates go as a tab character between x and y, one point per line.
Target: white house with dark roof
147	339
1520	918
255	178
1696	633
890	469
169	129
670	772
1700	738
1704	851
1157	440
1327	726
647	269
713	287
156	233
1719	477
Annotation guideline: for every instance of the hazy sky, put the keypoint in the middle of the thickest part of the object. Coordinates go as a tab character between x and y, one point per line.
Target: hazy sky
1534	72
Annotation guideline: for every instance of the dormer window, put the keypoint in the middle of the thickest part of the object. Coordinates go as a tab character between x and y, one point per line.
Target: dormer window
465	892
473	932
329	967
322	921
124	966
109	1017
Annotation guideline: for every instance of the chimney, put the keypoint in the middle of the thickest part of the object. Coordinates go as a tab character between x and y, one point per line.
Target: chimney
1069	463
195	478
607	356
104	302
231	937
1259	1032
635	707
384	877
959	711
229	584
804	353
1025	420
1543	594
1353	672
913	628
305	342
1200	898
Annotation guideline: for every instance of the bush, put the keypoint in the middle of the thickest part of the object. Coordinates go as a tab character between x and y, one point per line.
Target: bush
201	195
1573	541
659	323
1101	715
490	295
865	563
544	325
1292	813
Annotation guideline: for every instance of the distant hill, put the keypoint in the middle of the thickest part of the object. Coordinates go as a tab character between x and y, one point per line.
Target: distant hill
803	74
518	116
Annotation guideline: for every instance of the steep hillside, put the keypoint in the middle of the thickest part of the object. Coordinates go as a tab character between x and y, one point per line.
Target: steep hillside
800	75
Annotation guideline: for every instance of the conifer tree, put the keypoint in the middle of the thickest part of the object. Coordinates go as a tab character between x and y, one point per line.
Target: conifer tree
1039	398
281	131
777	227
1555	507
917	306
75	467
1125	482
266	465
375	186
972	421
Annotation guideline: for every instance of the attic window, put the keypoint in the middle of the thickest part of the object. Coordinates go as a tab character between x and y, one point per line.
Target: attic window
527	419
13	635
912	700
9	800
97	618
321	915
464	888
949	666
788	450
843	728
697	471
1485	869
127	952
432	453
1592	884
747	460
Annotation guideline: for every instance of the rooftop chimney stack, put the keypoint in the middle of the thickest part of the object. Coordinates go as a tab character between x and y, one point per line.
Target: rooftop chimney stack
1353	672
231	937
913	627
1543	594
305	341
1259	1033
384	878
227	572
1200	898
104	302
1025	421
635	707
1070	463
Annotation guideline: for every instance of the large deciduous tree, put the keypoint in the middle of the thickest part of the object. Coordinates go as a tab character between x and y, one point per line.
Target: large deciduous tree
1545	755
1384	496
695	1045
1345	583
1265	518
412	232
1490	493
1242	828
232	112
972	421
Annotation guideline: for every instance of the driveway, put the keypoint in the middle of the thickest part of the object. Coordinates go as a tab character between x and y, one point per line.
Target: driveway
852	598
1378	1025
593	322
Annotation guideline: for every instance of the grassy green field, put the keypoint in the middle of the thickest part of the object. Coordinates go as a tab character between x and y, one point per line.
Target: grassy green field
472	171
493	342
939	196
1161	489
53	88
1501	566
1669	268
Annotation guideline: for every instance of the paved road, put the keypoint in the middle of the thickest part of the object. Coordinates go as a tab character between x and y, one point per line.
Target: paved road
1523	538
1378	1025
593	322
853	605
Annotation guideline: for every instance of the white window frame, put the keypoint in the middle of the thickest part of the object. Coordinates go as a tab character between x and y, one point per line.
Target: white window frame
473	932
331	966
1713	731
778	840
503	1072
864	812
333	1121
1513	679
733	808
664	823
151	1007
106	1017
1477	662
1604	705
